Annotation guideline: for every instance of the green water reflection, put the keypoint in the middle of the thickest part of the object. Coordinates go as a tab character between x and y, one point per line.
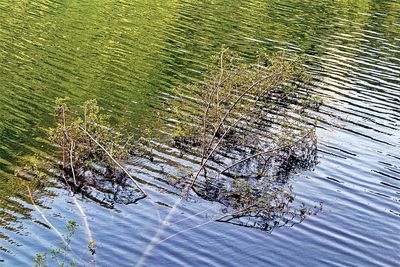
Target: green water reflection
124	53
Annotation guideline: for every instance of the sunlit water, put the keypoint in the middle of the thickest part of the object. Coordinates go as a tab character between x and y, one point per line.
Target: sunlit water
131	54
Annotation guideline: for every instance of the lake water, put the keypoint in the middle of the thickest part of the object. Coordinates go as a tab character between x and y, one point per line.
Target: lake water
130	55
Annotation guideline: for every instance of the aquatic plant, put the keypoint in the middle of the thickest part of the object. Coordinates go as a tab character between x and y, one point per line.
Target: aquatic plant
87	157
58	256
250	106
251	125
89	144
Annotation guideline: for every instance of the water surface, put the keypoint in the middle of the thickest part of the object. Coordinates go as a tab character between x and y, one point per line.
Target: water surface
131	54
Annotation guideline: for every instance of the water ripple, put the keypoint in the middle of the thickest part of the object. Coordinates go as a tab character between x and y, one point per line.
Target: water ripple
131	54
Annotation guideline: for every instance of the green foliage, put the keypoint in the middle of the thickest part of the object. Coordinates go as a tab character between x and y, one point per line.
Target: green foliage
75	151
58	256
238	95
264	204
68	134
255	121
40	260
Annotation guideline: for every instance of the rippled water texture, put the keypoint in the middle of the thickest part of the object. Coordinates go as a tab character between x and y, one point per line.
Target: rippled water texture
131	54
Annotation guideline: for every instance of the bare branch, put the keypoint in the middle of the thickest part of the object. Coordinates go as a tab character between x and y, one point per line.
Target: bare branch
114	160
264	152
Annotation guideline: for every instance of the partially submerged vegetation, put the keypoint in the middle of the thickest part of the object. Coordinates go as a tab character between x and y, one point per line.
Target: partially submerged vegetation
252	127
89	145
88	160
89	153
249	127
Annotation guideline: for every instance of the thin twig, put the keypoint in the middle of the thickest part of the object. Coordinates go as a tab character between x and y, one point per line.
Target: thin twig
80	208
215	90
218	143
114	160
264	152
44	216
239	98
155	240
71	148
208	222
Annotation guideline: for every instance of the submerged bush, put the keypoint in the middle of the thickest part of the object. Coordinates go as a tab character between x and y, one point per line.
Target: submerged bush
251	127
88	156
255	107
